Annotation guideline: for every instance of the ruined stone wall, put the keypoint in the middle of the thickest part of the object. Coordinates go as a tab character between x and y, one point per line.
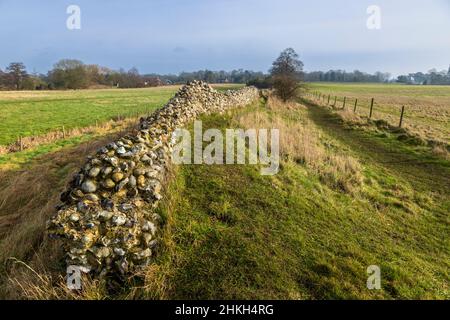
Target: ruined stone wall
106	219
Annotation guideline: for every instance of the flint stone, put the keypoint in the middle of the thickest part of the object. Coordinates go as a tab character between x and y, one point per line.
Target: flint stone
105	215
141	181
122	184
101	252
132	181
82	207
88	186
148	226
91	197
125	207
107	204
121	150
117	176
94	172
119	219
139	172
113	161
106	171
108	184
119	251
74	217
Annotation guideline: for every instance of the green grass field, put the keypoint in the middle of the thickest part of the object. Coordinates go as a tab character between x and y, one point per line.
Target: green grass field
427	108
32	113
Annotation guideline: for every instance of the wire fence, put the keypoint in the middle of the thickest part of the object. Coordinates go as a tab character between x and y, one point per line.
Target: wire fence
359	106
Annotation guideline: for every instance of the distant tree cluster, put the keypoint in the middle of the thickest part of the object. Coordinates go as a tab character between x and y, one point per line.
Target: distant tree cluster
73	74
343	76
15	77
433	77
235	76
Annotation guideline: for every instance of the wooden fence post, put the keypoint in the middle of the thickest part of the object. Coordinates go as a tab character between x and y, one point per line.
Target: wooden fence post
356	103
20	143
401	117
335	99
64	132
328	100
371	108
343	106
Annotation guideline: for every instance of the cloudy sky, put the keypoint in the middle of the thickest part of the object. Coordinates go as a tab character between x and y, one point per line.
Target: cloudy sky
169	36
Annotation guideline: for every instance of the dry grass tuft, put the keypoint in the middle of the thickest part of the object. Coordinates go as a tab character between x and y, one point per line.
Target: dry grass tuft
352	117
441	151
302	142
342	172
276	104
39	284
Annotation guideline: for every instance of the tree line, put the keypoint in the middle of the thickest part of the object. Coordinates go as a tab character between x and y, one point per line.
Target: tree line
432	77
343	76
74	74
234	76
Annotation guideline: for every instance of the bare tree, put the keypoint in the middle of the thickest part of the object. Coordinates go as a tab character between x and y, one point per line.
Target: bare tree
16	74
286	74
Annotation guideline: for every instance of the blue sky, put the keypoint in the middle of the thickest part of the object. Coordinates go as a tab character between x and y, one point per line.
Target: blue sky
169	36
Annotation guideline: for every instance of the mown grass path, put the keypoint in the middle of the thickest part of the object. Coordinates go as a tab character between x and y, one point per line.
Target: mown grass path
418	167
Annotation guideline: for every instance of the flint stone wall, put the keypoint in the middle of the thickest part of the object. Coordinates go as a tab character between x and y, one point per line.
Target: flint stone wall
106	219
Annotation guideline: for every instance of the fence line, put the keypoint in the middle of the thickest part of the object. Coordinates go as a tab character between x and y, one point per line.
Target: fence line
319	96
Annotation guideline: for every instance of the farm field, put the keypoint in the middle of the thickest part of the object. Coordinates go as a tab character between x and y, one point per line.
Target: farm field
427	108
33	113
